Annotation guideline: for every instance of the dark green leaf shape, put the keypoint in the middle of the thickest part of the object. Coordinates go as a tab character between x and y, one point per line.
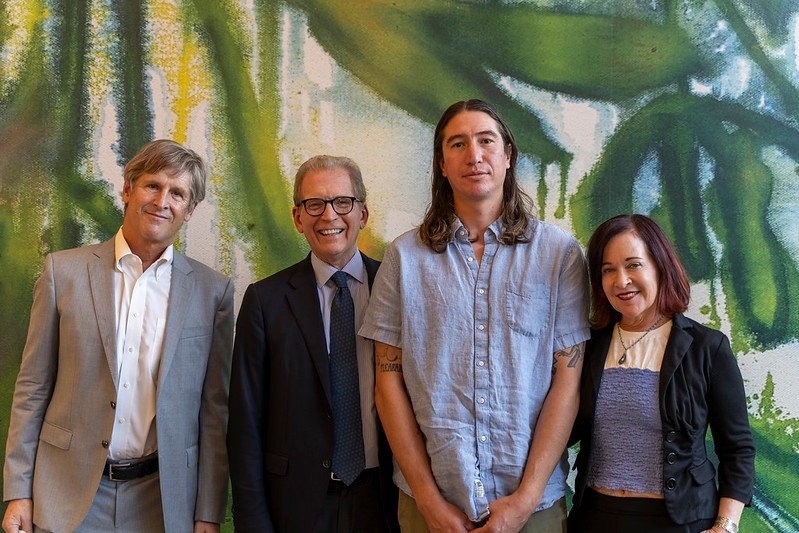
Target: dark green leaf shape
396	49
760	280
561	52
135	113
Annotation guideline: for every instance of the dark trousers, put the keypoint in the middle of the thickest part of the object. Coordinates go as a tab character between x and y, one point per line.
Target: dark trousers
599	513
356	508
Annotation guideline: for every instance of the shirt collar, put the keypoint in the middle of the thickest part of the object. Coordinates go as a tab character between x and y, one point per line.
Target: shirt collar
323	271
122	250
459	230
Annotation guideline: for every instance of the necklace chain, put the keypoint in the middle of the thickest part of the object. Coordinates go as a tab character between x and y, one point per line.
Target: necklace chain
636	341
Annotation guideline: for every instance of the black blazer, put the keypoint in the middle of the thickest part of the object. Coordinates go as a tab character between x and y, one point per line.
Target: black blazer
280	435
700	386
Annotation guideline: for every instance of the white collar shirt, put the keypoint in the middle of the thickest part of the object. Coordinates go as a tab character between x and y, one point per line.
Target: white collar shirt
141	303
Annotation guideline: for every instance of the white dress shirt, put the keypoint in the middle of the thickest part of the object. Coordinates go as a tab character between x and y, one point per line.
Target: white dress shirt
141	299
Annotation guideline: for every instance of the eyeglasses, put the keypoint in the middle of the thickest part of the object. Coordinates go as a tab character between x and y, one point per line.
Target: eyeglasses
342	205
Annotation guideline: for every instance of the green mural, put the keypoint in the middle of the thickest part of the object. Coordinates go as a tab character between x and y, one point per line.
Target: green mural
687	110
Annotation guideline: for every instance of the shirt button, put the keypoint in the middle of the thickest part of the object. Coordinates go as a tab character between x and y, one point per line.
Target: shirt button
463	233
130	349
121	420
670	458
483	438
481	291
481	327
481	363
125	385
481	400
470	259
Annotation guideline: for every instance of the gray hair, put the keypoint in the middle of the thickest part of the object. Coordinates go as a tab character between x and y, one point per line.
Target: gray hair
328	162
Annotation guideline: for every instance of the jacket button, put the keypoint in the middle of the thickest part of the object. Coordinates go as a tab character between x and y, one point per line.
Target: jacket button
113	405
671	483
326	463
670	458
105	444
671	436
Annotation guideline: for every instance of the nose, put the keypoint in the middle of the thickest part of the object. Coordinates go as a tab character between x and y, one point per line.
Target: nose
622	279
329	213
161	198
475	153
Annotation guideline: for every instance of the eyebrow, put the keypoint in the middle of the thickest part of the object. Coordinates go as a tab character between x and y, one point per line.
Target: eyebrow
458	136
635	257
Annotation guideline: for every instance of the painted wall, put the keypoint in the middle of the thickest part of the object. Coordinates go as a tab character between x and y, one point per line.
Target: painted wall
685	110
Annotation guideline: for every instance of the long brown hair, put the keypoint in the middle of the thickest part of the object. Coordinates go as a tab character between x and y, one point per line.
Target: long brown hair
436	228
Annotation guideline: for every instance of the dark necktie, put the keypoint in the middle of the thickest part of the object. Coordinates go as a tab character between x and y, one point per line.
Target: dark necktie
348	457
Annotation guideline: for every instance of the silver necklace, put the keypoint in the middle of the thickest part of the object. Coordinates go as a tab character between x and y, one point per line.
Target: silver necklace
636	341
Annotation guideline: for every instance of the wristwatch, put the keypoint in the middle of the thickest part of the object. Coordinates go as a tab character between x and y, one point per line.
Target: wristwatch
726	524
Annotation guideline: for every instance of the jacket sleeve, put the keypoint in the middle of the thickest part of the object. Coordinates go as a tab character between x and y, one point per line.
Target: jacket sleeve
729	423
34	388
246	427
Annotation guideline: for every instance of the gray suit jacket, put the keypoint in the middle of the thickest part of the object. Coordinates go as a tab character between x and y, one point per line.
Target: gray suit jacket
63	408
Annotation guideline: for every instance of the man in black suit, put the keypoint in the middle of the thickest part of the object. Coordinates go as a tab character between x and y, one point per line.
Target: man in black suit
294	463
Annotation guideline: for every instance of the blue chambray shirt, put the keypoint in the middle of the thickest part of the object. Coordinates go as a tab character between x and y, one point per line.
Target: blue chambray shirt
477	346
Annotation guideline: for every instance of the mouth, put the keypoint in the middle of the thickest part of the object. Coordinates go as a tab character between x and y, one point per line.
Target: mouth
331	231
624	296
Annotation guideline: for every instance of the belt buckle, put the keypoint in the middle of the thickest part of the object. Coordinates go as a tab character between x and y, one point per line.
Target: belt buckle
111	467
334	477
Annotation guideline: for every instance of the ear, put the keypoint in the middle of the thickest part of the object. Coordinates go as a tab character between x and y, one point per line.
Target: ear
126	192
190	212
364	216
295	215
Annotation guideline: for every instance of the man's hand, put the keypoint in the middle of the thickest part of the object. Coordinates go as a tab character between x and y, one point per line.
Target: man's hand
508	515
443	517
205	527
19	516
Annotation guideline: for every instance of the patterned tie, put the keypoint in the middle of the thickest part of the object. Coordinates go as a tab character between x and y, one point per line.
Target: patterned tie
348	457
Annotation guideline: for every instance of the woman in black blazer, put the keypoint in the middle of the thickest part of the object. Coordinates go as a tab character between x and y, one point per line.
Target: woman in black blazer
653	382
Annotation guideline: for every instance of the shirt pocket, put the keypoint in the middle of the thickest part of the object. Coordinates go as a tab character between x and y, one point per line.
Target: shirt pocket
527	309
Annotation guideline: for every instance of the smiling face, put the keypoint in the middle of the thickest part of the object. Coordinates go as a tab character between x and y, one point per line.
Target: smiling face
156	206
475	158
630	281
332	237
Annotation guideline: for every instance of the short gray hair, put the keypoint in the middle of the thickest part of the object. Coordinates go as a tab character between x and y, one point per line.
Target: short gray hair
327	162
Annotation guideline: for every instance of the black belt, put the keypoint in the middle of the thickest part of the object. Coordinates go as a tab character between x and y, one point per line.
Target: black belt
132	469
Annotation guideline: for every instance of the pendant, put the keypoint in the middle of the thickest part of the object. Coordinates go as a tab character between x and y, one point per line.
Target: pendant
623	358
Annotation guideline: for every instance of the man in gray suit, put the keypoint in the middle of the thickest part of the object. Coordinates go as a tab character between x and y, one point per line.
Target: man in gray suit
120	407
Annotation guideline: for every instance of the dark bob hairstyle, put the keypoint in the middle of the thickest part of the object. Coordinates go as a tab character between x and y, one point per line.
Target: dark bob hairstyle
674	289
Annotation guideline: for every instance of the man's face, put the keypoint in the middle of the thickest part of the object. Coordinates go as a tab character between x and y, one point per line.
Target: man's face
475	157
157	205
332	237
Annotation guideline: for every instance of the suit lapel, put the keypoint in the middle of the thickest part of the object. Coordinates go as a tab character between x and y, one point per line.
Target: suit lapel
676	348
180	290
101	285
303	301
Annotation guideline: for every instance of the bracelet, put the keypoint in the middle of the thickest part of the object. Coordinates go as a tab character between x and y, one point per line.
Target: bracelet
726	524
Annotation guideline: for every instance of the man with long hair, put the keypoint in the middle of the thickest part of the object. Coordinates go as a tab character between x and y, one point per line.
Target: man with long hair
479	318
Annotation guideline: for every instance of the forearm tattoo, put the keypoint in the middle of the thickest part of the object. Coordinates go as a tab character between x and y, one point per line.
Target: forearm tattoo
573	353
389	359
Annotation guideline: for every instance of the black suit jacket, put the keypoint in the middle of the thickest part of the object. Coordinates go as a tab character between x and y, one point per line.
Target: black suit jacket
700	386
280	435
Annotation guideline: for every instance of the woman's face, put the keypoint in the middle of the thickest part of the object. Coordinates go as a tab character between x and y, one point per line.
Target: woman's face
630	281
